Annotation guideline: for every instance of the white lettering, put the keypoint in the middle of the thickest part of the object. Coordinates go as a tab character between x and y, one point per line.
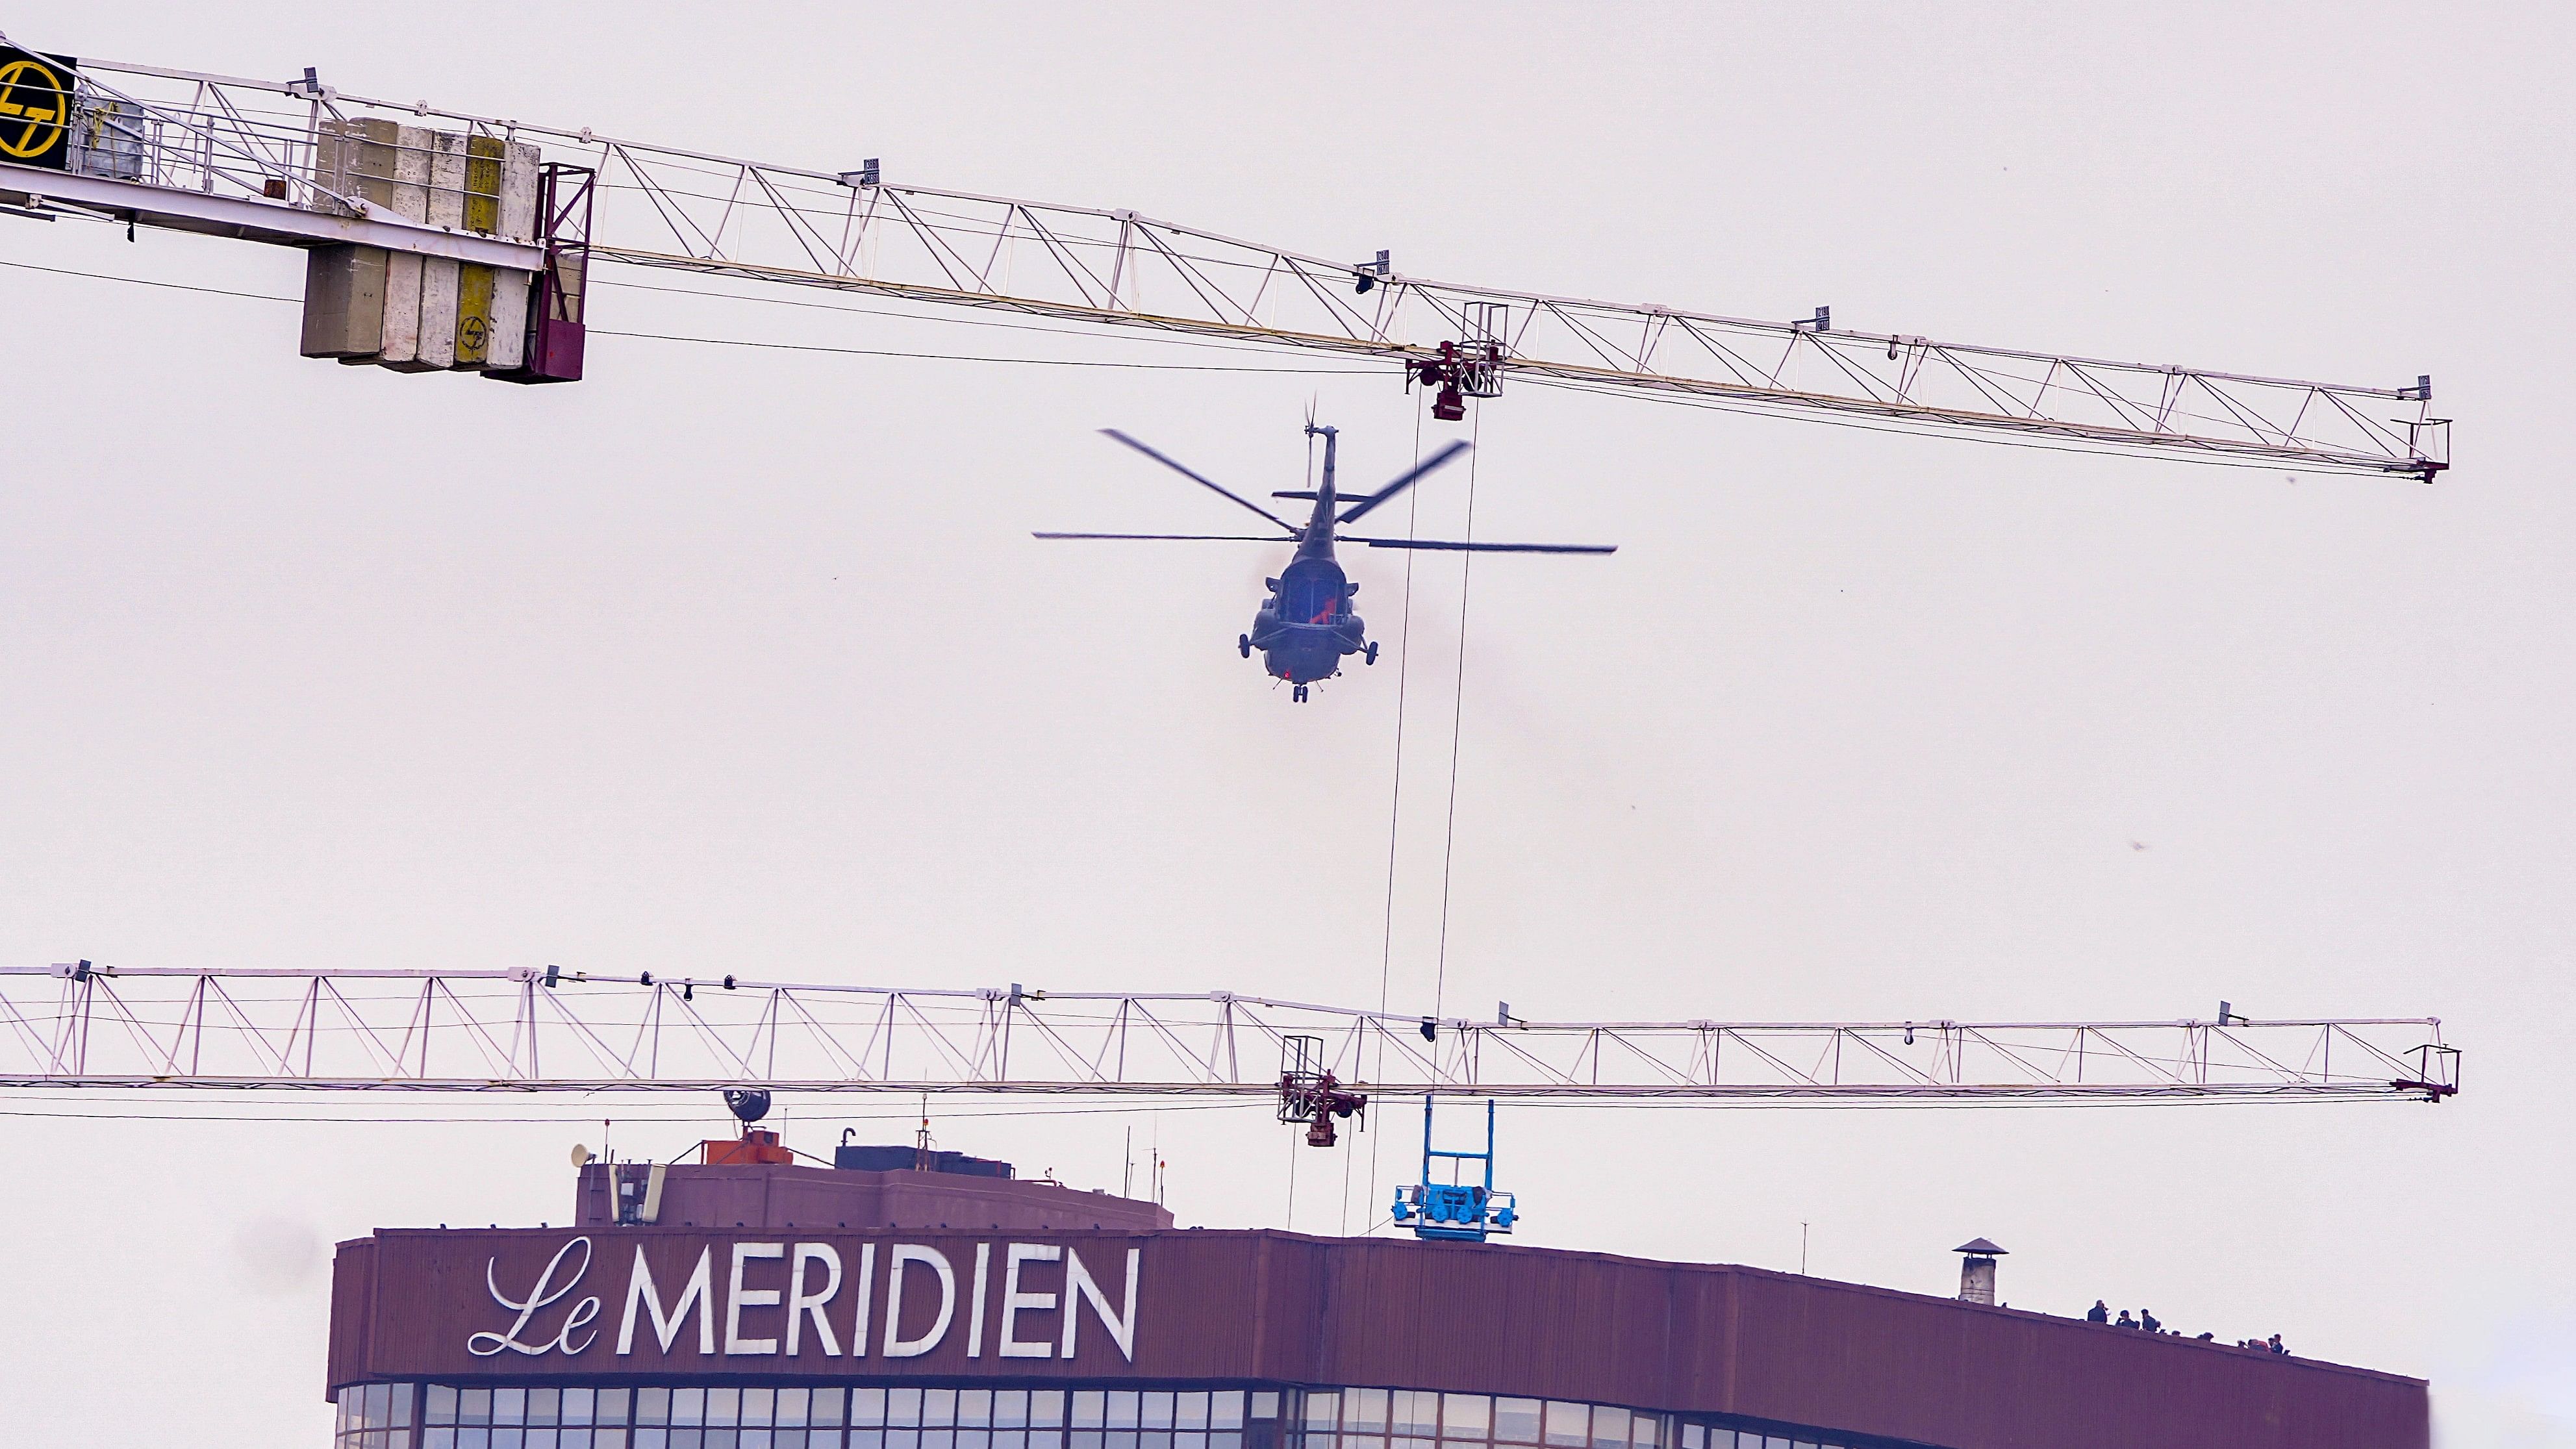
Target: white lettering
975	1314
640	1290
1013	1300
800	1303
1078	1286
485	1345
897	1346
867	1288
737	1298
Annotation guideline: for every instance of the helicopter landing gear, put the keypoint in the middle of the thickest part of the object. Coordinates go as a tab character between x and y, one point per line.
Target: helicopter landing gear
1299	694
1244	643
1372	651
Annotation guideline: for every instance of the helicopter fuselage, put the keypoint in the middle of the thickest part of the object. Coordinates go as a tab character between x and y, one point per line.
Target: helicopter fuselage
1305	627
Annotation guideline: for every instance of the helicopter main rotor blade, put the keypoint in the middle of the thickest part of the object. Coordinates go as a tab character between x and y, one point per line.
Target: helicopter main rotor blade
1450	547
1169	537
1402	481
1287	527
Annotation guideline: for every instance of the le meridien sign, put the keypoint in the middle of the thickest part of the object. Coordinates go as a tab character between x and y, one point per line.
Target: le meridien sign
627	1301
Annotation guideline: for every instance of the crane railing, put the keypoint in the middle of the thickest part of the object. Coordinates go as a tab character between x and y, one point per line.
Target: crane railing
546	1030
848	230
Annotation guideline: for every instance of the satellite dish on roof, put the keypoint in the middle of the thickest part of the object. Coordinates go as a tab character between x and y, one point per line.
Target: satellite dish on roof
580	1156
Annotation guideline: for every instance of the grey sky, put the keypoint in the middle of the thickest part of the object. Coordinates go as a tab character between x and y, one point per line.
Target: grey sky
731	657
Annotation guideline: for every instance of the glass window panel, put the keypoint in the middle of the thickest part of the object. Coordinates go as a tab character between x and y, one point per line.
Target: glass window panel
1421	1416
1010	1408
1044	1438
903	1439
1153	1439
609	1438
903	1406
688	1406
1046	1411
760	1406
1516	1421
1466	1416
867	1439
1119	1439
509	1406
541	1436
867	1407
1083	1438
1225	1409
400	1415
473	1406
439	1439
1010	1439
440	1401
1416	1444
939	1407
688	1438
1695	1437
1122	1408
576	1437
1609	1428
938	1439
1323	1411
652	1406
371	1439
578	1405
724	1406
974	1439
1089	1405
827	1406
723	1436
974	1407
792	1404
1225	1441
474	1436
1362	1441
1187	1440
1364	1410
1644	1431
545	1406
1567	1424
1265	1404
652	1438
1157	1409
1189	1411
509	1436
791	1438
755	1437
374	1405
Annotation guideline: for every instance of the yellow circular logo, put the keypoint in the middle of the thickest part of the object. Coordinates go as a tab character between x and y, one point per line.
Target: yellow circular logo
33	99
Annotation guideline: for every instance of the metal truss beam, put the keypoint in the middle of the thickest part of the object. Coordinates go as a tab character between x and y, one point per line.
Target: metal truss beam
257	219
689	210
530	1030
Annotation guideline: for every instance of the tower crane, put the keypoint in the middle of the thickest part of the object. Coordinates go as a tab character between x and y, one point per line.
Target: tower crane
443	240
545	1029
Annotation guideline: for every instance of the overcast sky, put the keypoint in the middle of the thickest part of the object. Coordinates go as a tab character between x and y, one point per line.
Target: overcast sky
726	659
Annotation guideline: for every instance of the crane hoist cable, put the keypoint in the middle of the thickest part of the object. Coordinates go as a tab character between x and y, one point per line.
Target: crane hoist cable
1395	790
1457	712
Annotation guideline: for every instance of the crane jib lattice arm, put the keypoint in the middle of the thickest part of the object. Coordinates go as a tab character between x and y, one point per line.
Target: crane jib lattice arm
542	1029
188	145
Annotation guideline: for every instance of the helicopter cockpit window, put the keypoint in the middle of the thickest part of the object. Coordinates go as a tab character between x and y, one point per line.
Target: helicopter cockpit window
1311	597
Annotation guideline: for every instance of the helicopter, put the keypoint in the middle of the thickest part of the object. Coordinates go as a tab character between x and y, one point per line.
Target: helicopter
1306	627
